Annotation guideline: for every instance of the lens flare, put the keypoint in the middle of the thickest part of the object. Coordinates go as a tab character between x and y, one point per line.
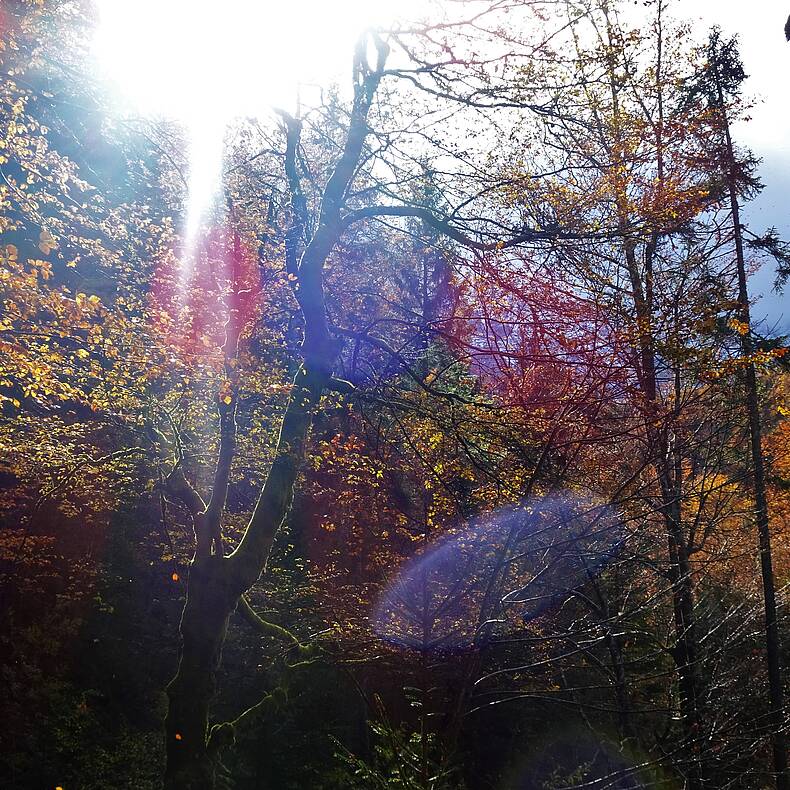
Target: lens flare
191	308
502	570
574	757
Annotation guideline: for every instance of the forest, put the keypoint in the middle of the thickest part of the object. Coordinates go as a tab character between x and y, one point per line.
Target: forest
436	444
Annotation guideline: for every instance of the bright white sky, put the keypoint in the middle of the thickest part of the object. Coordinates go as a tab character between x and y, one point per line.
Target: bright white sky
175	58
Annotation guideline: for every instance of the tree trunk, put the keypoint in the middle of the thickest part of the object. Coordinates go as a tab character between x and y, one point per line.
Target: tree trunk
752	402
216	582
204	621
772	642
215	586
685	650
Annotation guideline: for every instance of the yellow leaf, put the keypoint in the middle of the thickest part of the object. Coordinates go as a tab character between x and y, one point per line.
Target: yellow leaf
739	326
227	400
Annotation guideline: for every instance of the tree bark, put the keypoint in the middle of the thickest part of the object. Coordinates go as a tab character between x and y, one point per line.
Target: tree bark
204	622
214	587
217	582
752	403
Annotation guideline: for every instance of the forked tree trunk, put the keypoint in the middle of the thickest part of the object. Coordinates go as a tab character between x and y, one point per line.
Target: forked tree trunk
215	585
217	582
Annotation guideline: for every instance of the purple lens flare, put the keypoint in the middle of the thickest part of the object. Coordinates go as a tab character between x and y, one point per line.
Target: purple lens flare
501	570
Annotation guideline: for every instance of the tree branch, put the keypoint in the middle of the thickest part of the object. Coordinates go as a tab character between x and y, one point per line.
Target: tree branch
444	226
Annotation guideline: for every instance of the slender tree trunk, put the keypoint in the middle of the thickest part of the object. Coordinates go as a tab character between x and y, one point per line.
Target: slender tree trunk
752	402
617	662
685	651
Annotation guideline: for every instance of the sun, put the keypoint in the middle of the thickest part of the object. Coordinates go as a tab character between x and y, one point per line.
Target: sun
180	57
205	63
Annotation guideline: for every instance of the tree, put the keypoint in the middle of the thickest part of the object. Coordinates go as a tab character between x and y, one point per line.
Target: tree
726	75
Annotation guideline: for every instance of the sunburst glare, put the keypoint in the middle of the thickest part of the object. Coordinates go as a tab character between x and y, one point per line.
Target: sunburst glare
205	63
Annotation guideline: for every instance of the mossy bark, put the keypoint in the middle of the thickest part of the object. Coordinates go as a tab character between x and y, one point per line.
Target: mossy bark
214	587
204	622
